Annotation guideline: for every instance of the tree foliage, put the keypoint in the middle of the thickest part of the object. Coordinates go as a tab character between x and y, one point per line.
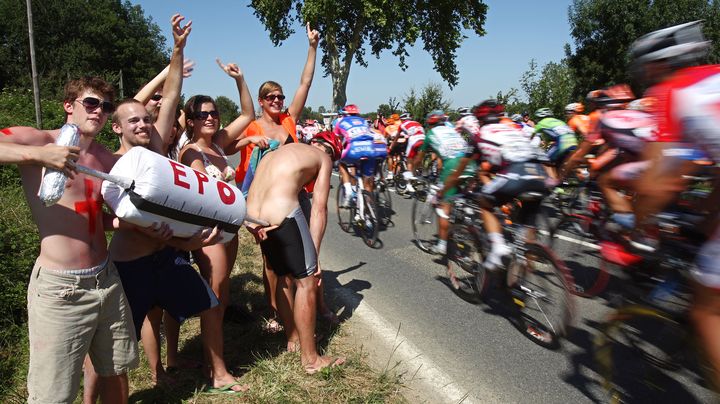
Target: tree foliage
604	30
349	29
78	37
227	108
549	87
428	99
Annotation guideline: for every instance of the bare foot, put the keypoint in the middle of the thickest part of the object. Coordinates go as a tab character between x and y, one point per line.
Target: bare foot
323	362
293	346
229	384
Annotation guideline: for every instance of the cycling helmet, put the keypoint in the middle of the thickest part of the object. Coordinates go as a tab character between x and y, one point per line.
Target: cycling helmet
435	117
341	112
464	111
679	45
488	111
405	116
641	104
351	109
516	118
574	108
619	94
543	113
328	139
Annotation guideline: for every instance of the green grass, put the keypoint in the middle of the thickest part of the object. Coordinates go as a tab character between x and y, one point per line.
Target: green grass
258	358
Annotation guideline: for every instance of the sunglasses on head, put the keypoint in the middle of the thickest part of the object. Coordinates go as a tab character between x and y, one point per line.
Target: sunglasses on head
92	103
156	97
204	114
272	97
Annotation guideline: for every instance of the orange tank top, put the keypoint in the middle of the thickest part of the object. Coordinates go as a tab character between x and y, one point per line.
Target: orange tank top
254	129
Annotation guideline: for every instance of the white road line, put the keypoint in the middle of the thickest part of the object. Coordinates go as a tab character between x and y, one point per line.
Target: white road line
427	380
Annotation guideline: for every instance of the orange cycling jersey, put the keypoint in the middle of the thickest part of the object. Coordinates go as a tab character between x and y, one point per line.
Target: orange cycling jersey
593	127
580	124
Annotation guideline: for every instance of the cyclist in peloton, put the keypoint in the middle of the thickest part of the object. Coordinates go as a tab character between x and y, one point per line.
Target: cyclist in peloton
686	111
391	132
442	139
557	136
576	120
467	125
623	134
358	150
414	133
515	163
527	130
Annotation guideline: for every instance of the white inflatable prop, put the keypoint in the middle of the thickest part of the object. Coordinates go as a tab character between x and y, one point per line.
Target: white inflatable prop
53	182
166	191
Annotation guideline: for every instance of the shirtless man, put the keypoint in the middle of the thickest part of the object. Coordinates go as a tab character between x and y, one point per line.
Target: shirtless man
74	292
291	246
151	271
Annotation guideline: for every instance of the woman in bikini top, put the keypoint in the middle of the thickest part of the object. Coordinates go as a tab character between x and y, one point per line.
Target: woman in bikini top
227	175
204	153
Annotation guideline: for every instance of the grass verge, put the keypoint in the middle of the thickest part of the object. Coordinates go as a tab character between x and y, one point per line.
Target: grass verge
259	359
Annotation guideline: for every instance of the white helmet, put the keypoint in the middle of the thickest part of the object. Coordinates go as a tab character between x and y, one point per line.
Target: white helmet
464	111
405	116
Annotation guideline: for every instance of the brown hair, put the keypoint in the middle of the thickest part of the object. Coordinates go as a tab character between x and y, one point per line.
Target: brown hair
193	105
115	117
74	88
268	87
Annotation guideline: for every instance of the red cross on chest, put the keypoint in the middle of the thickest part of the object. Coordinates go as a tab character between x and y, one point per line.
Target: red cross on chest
90	205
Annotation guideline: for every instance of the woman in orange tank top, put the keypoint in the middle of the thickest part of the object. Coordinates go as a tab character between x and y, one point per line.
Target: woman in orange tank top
278	123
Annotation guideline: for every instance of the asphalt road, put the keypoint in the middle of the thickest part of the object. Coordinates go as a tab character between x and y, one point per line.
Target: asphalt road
473	342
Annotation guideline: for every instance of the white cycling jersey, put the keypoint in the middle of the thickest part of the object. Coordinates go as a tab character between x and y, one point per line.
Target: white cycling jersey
502	144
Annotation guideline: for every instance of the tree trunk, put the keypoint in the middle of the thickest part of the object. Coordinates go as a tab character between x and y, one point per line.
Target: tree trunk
339	85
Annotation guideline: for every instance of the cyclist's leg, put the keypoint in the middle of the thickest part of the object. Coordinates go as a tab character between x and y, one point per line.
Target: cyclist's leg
367	170
662	181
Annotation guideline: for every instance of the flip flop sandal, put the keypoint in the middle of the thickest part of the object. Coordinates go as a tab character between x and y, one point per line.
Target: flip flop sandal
227	389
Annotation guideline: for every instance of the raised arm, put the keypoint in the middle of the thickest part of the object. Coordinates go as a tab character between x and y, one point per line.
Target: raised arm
173	84
298	102
231	133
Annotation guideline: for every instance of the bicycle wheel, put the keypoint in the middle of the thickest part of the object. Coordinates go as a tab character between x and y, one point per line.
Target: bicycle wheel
633	349
345	214
384	202
465	253
544	299
398	179
573	238
424	223
368	225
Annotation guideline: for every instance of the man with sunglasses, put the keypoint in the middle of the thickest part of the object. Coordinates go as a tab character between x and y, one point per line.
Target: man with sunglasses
151	271
74	293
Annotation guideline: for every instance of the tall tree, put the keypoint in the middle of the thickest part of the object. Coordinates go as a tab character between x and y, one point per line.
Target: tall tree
348	29
227	108
549	87
430	98
77	37
604	30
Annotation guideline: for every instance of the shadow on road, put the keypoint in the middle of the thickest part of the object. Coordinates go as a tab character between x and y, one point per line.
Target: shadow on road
344	298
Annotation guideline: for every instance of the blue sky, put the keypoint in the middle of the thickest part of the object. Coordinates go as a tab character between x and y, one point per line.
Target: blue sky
517	31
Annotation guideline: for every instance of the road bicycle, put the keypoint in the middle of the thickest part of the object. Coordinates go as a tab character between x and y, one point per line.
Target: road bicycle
361	214
537	280
646	342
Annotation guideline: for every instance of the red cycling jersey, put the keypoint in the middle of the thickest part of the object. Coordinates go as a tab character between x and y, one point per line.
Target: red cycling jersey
690	93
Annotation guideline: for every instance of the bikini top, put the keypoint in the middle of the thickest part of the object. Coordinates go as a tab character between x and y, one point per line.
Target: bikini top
227	175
